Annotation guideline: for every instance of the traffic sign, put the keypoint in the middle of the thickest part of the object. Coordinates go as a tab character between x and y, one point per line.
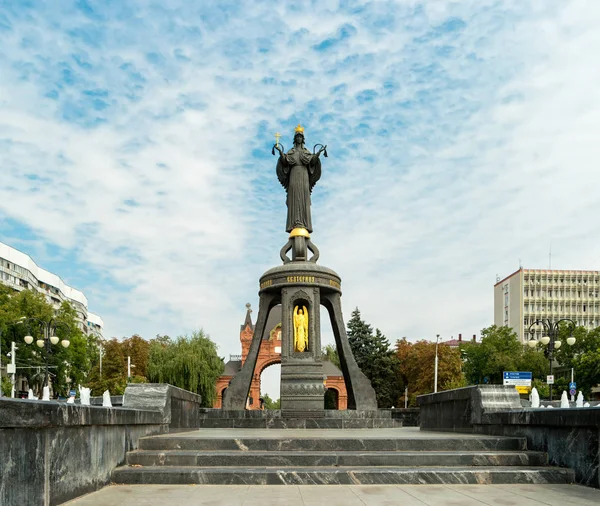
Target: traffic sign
550	379
72	393
572	385
517	378
523	390
572	391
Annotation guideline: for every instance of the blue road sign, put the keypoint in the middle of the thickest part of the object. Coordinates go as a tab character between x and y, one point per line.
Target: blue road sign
72	393
517	375
572	386
572	391
517	378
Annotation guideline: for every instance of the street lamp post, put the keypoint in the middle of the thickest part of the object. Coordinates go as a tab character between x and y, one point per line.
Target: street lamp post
49	337
550	339
437	339
16	322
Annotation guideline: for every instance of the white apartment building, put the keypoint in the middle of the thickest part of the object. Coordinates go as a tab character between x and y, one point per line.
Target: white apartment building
20	272
528	295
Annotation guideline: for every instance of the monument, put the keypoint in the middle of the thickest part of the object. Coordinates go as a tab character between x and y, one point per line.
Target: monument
301	287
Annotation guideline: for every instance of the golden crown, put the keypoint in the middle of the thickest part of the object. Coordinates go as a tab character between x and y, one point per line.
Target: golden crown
299	129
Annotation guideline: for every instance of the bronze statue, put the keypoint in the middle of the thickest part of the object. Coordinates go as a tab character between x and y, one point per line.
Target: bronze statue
298	171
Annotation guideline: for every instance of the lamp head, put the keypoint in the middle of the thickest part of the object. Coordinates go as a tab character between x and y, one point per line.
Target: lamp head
40	343
557	344
28	339
532	343
54	339
545	340
65	343
571	340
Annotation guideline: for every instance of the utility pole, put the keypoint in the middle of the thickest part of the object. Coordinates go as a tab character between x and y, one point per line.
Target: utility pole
100	362
13	363
128	367
437	338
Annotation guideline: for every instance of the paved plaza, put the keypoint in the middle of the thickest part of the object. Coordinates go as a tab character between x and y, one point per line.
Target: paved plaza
340	495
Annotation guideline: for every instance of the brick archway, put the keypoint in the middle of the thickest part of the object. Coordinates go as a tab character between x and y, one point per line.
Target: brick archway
270	354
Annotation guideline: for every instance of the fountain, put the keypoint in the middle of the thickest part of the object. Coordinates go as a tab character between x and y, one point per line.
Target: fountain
71	400
106	399
564	400
84	394
31	396
579	401
586	405
535	398
46	393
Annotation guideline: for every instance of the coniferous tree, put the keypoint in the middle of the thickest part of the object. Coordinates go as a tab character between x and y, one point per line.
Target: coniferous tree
375	359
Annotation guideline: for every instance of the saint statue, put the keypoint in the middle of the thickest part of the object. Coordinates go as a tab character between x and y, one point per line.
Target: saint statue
300	329
298	171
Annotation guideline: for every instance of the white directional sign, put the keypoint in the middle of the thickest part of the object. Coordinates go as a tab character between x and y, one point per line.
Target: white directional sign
550	379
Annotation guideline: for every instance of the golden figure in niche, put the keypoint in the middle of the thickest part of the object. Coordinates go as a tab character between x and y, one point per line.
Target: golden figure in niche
300	329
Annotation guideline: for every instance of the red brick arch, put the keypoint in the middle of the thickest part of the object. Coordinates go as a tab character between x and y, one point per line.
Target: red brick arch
270	354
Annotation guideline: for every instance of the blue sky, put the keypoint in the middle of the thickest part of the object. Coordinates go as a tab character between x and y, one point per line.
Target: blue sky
135	152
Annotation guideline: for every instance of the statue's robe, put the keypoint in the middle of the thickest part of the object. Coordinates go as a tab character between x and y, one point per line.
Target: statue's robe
298	171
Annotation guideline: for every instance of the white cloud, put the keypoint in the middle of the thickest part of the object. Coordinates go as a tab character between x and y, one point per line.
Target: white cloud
478	148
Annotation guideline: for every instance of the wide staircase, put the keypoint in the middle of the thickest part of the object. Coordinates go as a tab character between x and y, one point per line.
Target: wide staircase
329	456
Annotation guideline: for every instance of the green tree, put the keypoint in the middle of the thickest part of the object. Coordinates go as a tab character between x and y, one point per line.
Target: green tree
375	359
190	363
330	353
6	386
417	367
114	370
583	357
499	350
270	403
138	349
67	366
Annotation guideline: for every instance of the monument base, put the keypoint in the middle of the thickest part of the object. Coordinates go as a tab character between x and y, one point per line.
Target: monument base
302	285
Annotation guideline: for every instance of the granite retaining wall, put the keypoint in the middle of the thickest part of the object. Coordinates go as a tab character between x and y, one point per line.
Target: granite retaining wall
570	437
51	452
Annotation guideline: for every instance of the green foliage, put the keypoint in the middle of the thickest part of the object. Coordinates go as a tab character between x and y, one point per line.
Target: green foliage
270	403
375	359
416	365
583	357
114	370
6	386
542	387
190	363
138	349
499	351
330	353
67	366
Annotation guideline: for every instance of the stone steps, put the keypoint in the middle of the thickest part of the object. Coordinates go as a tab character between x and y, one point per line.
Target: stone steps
336	444
294	423
270	456
179	458
338	476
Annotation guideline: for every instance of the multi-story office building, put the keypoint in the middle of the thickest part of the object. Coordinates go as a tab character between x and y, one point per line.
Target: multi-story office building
528	295
20	272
